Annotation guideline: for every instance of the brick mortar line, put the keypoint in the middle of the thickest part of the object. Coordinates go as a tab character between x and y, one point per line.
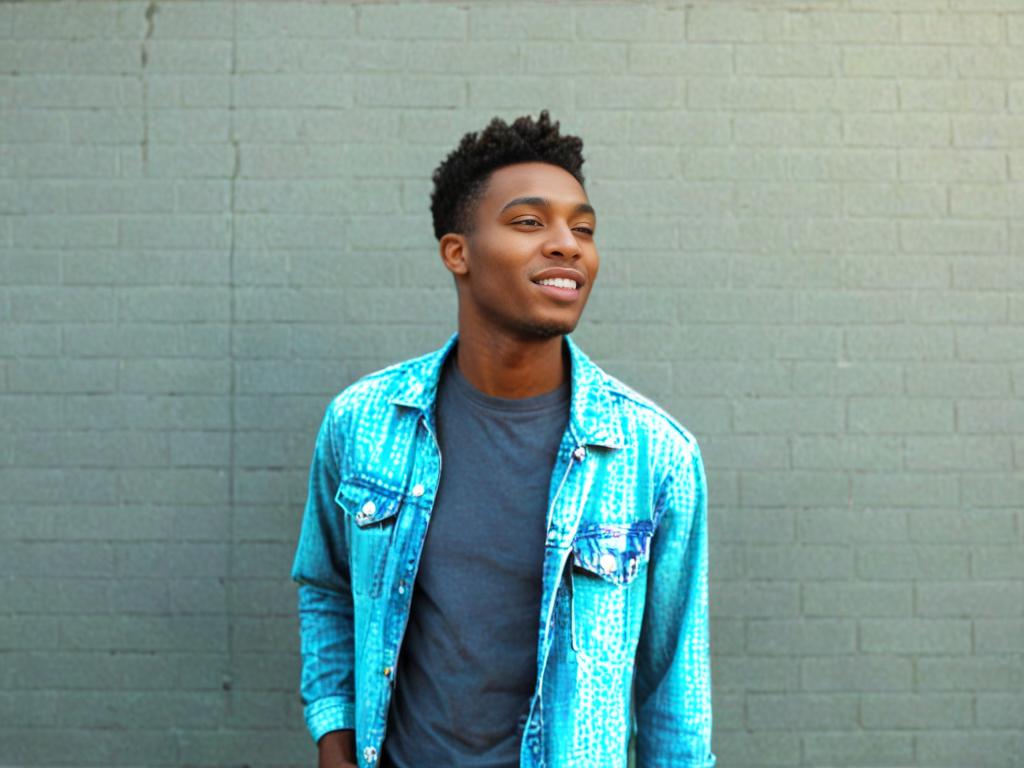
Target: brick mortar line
229	675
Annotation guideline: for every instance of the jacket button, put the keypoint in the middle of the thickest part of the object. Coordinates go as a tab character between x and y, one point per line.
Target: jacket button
369	508
418	490
608	562
387	671
370	754
579	453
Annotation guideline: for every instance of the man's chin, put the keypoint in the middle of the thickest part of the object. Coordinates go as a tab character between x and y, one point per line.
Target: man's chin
548	329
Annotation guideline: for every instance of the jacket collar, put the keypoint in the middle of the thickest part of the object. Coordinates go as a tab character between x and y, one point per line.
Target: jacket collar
594	415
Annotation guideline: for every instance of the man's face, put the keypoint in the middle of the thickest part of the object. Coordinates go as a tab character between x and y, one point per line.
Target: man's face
528	265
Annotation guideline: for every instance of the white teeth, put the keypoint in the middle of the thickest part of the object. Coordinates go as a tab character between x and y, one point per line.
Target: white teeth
559	282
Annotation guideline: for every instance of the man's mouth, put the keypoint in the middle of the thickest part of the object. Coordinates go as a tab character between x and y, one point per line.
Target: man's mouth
560	289
559	282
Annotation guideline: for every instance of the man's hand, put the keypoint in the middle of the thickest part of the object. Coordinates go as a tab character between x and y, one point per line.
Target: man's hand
337	750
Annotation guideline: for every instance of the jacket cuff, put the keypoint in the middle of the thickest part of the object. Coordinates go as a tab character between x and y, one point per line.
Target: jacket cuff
331	713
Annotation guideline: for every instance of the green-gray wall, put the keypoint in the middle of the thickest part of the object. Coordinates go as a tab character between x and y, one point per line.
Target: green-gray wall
214	216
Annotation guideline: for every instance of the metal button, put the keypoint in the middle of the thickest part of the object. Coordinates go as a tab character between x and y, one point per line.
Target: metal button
579	453
418	490
401	587
370	754
608	562
387	671
369	508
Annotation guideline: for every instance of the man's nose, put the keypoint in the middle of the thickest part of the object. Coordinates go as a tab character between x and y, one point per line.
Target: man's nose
562	243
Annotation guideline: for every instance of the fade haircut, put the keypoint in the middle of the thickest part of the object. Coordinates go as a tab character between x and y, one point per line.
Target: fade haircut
461	178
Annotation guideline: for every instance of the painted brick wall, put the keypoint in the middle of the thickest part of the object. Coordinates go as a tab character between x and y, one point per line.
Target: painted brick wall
214	216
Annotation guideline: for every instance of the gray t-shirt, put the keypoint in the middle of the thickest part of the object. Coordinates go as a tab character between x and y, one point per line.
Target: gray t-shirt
468	663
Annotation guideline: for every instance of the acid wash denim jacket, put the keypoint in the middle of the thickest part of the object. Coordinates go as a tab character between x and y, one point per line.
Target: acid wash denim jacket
623	644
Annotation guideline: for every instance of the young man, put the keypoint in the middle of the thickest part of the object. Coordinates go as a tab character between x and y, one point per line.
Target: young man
503	557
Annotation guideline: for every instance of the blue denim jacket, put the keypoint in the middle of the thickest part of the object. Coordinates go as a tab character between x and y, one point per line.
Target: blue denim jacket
623	641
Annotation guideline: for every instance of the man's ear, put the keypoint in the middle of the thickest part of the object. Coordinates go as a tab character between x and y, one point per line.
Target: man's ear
454	253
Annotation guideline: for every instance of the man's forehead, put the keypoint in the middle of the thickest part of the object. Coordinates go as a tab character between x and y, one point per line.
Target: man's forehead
535	181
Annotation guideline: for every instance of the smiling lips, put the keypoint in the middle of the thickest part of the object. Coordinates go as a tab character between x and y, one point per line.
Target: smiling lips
561	289
559	282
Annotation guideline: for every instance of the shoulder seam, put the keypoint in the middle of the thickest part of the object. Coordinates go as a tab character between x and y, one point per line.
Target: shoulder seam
381	378
640	401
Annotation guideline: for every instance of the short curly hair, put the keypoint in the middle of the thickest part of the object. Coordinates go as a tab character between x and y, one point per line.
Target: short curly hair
461	178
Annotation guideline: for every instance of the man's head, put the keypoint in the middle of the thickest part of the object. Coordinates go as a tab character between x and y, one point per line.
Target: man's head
510	212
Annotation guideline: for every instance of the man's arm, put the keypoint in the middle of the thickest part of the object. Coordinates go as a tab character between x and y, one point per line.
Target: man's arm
325	602
673	669
337	749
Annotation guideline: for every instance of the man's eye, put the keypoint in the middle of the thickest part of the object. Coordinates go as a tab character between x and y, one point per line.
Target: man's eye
588	230
528	221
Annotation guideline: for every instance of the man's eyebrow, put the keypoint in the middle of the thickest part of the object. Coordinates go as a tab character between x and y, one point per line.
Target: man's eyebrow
543	203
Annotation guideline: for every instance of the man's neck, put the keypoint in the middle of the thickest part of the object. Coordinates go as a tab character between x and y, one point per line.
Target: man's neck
506	367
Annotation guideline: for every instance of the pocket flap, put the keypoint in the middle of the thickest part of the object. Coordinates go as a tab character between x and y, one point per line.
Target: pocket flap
613	551
367	503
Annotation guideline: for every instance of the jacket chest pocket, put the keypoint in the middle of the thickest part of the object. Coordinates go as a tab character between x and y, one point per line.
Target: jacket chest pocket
607	595
371	512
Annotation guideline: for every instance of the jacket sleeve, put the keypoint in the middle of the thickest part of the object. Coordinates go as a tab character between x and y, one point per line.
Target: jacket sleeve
325	597
673	669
